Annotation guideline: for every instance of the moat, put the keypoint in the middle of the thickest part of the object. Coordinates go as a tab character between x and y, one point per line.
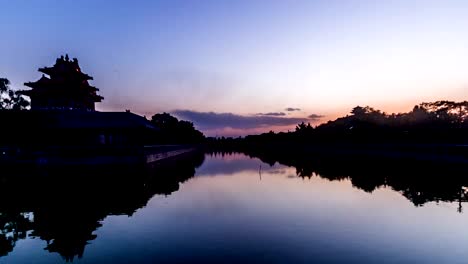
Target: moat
230	208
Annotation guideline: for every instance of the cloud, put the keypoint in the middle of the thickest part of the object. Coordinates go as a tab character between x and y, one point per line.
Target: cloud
212	120
272	114
233	125
292	109
315	116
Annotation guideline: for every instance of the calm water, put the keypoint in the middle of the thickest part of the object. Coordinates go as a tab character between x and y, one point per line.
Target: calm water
231	209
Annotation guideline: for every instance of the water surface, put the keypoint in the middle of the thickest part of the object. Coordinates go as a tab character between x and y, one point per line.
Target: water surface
233	209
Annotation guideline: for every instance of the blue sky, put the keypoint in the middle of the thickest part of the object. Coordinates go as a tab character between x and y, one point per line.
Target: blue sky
246	57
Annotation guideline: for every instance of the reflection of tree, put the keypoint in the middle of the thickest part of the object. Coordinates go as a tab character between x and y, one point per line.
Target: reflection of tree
66	232
13	227
68	204
419	182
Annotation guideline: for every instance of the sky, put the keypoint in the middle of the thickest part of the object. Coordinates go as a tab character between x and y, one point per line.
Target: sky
241	67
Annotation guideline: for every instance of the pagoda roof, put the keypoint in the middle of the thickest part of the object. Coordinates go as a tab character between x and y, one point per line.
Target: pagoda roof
60	93
54	71
47	83
64	80
42	81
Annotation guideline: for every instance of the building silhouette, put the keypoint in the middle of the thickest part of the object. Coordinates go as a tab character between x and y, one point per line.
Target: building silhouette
65	87
63	115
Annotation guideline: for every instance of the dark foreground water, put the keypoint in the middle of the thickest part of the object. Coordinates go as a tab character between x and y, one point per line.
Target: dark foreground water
231	209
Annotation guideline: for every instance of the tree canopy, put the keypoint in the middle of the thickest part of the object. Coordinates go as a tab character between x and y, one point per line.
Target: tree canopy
433	122
10	99
176	131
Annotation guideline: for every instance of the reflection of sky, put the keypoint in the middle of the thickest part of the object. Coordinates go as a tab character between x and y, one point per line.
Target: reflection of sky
234	164
246	57
276	219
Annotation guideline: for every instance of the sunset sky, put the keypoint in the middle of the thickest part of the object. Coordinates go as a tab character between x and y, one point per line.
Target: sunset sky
239	67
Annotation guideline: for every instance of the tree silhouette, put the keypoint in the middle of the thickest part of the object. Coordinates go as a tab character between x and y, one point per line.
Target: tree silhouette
174	131
10	99
449	111
440	122
360	111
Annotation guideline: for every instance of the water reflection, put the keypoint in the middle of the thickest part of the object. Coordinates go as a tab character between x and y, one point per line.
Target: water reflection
64	206
235	209
419	182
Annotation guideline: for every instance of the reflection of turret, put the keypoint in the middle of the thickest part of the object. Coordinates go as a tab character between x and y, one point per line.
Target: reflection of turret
66	232
68	204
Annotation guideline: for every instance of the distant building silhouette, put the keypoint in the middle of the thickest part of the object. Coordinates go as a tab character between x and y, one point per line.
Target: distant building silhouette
63	126
63	114
65	87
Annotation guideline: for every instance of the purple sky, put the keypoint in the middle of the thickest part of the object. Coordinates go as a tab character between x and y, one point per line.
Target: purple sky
234	67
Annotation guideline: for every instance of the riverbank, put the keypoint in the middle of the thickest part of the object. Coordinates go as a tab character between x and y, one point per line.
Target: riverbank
92	155
438	153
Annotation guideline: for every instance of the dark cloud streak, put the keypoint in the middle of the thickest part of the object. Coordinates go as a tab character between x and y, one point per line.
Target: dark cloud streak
212	120
315	116
272	114
292	109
